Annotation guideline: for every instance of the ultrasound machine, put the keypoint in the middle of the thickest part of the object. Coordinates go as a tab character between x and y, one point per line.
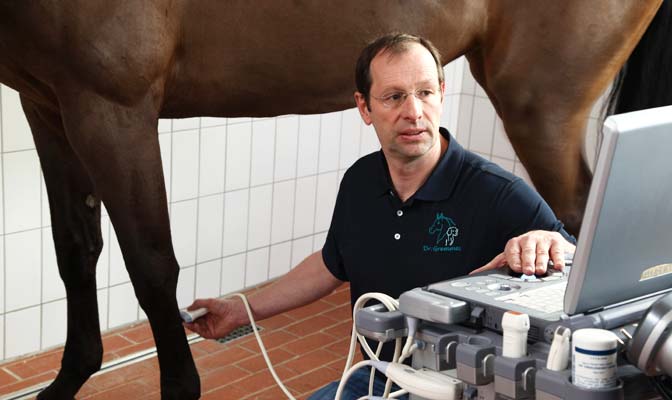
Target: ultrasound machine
501	335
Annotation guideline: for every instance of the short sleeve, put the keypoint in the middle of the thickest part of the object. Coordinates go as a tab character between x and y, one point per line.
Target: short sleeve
331	252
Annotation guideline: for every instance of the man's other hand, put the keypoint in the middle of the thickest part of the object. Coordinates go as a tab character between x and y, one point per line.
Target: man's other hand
529	253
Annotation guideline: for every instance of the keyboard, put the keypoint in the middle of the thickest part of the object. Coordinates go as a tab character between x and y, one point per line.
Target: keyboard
547	299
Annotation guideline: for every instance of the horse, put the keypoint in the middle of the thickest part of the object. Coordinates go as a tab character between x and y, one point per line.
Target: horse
94	76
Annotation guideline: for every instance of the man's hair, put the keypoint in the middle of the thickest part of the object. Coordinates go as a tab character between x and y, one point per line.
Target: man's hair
396	43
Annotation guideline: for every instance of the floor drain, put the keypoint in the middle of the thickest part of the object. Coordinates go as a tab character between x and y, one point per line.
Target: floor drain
239	333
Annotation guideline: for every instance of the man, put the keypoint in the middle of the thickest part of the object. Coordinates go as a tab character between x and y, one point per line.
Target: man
421	210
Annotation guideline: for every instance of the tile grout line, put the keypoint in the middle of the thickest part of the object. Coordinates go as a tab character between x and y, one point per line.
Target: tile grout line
221	244
198	207
249	196
270	228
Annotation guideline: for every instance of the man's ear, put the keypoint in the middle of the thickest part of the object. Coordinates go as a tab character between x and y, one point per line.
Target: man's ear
363	108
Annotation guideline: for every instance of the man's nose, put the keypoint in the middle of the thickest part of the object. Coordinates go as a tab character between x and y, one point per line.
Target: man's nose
412	108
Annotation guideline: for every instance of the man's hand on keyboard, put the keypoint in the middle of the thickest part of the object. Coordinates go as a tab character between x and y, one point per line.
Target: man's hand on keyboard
529	253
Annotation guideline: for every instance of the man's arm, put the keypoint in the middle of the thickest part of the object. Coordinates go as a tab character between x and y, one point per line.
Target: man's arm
310	280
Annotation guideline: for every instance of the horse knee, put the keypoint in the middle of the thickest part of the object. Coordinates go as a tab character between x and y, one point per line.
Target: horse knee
77	258
155	282
77	237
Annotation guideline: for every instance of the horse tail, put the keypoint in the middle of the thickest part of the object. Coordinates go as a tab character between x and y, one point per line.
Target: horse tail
645	81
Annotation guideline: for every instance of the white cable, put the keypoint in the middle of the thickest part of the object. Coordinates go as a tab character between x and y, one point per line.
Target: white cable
261	345
347	374
391	305
392	395
372	375
387	301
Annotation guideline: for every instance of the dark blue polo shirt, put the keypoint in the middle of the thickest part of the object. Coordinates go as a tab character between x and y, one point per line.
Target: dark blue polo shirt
457	221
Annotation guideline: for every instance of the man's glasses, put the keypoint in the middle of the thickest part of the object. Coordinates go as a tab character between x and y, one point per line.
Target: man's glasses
396	99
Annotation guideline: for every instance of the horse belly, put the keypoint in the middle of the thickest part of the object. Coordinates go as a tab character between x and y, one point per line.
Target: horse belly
242	60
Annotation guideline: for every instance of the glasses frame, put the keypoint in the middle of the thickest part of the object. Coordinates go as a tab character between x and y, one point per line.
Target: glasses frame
389	102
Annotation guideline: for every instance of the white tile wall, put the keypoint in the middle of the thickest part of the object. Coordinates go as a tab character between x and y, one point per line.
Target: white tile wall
208	278
235	221
327	189
185	165
249	199
186	284
330	137
183	218
256	271
281	254
123	306
301	248
368	141
482	125
103	308
238	143
54	323
22	269
263	144
103	266
212	121
166	144
261	201
165	125
283	211
2	279
22	333
309	142
186	124
118	273
213	162
350	138
286	147
210	223
22	191
52	286
233	273
2	335
16	132
304	206
318	240
2	185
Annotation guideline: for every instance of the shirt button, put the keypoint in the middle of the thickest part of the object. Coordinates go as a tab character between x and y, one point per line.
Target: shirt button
397	236
399	213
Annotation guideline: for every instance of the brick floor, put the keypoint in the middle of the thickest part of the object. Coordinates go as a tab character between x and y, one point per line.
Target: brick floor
307	347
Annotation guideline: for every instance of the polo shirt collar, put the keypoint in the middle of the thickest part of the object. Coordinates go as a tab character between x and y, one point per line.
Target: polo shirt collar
441	181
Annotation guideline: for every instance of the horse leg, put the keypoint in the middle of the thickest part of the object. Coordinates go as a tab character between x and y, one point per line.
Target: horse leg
75	219
552	152
118	144
544	85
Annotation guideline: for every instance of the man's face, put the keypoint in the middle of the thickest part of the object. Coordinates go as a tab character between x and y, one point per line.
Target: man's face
407	128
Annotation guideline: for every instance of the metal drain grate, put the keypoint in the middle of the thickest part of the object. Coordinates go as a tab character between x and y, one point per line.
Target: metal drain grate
238	333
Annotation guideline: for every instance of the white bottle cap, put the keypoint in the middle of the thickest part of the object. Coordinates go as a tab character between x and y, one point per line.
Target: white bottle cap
595	339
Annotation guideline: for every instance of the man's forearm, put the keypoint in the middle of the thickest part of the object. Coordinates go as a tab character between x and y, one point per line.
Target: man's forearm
310	280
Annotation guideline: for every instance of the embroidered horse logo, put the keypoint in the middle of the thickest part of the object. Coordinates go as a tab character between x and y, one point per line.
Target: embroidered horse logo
445	229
